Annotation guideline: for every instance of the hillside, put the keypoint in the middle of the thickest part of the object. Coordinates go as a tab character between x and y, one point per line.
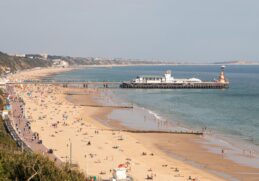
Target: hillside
76	61
13	63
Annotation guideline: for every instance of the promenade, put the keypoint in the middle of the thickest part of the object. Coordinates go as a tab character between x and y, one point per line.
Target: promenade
19	127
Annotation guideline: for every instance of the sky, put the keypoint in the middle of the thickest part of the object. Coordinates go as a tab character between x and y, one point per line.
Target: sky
172	30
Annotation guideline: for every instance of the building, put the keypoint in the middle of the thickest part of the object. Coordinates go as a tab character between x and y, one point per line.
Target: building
5	114
222	78
167	78
44	56
60	63
3	82
20	55
169	82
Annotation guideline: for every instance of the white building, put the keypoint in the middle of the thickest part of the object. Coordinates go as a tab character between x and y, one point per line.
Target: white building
5	114
167	78
20	55
60	63
119	174
44	56
3	82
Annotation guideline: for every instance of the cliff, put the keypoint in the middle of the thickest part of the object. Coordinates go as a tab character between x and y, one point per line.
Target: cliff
13	63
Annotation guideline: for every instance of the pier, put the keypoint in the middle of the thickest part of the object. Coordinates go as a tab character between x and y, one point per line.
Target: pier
127	85
201	85
169	82
141	82
69	83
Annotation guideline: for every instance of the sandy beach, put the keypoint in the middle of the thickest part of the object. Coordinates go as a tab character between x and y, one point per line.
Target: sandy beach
37	73
96	149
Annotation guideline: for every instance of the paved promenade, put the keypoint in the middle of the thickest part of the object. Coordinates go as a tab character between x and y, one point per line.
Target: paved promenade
20	129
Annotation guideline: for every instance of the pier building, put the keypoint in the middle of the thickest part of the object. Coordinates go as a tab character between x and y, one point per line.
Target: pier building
169	82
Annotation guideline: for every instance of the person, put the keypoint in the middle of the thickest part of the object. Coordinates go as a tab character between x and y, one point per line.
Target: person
222	152
149	177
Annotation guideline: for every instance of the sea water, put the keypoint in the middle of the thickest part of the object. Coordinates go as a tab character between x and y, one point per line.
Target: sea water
231	113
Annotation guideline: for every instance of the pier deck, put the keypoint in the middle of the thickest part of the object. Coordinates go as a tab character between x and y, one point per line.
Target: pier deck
70	83
202	85
127	85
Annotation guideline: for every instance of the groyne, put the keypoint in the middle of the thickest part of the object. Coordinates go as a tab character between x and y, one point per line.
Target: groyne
158	131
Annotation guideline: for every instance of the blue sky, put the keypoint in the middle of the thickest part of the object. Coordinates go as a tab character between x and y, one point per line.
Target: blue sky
173	30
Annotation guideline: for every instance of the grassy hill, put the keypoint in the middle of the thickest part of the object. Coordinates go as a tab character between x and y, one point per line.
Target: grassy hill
20	63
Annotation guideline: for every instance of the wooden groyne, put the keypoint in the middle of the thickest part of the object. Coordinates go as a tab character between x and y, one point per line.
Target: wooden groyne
76	94
110	106
159	132
170	132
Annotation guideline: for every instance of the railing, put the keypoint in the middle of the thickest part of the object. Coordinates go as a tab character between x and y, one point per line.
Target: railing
64	82
15	137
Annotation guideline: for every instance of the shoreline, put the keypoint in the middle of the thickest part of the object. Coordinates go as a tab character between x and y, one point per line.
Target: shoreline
240	151
201	145
93	113
101	118
158	64
28	74
204	145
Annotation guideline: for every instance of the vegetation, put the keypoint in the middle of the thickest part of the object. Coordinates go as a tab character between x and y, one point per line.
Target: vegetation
14	63
26	166
19	166
75	61
19	63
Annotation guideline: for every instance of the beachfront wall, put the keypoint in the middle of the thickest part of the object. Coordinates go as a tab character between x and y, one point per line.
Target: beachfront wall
201	85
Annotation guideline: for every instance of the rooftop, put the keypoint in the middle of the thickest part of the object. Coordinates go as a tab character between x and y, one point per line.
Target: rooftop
149	76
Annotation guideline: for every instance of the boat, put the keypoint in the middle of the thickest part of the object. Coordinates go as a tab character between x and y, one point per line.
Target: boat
169	82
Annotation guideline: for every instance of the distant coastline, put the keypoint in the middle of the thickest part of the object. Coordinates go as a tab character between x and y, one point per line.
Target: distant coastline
29	61
238	62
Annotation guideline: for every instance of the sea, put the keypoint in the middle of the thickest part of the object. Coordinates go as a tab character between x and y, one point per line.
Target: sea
231	115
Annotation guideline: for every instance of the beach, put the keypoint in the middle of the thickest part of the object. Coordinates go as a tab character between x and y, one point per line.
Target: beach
85	135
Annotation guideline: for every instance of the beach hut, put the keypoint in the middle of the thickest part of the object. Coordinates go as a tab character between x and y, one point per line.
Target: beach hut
3	82
7	107
5	114
120	173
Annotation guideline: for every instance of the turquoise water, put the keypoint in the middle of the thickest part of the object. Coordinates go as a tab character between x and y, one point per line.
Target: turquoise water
233	112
